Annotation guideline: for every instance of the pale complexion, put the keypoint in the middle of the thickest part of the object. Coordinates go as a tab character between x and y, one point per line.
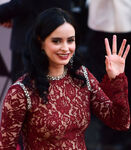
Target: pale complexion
59	47
115	62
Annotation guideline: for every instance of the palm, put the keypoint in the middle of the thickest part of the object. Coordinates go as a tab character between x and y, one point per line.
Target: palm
115	63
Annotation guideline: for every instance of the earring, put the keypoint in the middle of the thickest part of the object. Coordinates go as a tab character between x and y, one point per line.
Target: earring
43	52
71	61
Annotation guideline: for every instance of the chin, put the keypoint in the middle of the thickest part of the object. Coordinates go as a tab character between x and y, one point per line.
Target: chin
65	63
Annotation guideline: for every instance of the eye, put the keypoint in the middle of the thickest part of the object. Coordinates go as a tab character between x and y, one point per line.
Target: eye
56	40
71	40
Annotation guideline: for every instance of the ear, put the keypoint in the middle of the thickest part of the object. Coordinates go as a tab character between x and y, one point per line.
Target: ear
42	46
39	39
41	42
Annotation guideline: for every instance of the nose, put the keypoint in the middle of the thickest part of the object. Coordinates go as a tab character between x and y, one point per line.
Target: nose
64	46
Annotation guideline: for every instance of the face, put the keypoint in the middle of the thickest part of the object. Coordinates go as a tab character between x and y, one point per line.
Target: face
60	45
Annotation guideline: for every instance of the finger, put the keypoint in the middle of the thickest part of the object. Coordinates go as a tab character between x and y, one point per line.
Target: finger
122	47
107	62
126	51
114	45
108	50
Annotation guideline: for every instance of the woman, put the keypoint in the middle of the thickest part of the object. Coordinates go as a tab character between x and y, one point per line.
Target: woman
51	104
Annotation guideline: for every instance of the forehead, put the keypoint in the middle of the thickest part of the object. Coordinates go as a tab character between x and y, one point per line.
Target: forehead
64	30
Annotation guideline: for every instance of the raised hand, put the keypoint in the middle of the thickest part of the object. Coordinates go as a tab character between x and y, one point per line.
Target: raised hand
115	62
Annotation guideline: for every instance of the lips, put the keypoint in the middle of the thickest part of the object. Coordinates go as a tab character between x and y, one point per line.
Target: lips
63	56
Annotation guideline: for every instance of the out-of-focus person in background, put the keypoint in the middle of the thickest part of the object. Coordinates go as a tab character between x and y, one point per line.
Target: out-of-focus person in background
20	14
3	1
105	18
51	104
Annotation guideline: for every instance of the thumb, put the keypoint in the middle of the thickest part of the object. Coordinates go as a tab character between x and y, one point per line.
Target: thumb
107	62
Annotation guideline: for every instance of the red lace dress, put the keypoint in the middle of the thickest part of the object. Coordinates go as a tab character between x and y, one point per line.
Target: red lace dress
60	124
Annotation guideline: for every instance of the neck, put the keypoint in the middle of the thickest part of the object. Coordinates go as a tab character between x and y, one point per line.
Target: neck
56	71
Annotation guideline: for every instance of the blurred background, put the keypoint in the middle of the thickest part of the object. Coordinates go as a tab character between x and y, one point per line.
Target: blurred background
96	20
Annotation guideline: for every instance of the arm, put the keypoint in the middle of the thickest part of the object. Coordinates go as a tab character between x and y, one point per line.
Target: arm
13	9
109	101
13	115
114	109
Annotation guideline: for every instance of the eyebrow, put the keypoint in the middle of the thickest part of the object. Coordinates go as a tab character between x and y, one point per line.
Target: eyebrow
61	38
71	37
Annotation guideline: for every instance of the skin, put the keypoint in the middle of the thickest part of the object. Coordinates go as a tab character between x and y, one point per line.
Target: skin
60	47
115	62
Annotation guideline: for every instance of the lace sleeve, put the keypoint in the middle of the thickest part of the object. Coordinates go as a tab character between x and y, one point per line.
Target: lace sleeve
109	101
13	114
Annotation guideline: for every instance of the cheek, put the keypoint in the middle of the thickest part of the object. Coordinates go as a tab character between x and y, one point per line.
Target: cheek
53	47
50	49
72	48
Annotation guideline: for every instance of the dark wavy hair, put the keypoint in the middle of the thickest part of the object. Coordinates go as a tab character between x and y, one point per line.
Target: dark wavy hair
36	61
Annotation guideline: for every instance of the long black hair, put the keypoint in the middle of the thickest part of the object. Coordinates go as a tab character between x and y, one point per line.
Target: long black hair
36	61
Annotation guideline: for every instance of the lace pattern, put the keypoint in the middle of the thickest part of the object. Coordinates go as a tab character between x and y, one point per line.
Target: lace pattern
60	124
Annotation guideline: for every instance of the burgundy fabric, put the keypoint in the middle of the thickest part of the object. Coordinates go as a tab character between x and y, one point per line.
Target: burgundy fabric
61	122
